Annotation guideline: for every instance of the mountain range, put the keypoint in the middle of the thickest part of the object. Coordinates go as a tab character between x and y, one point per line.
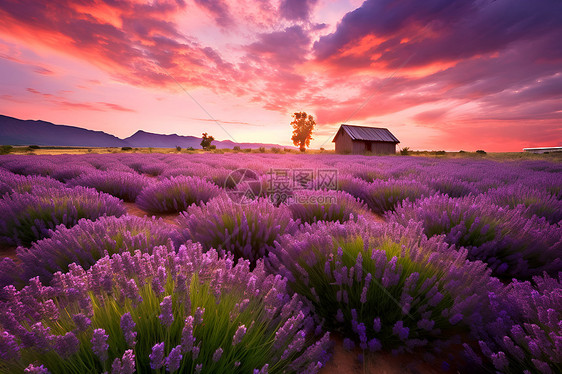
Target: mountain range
14	131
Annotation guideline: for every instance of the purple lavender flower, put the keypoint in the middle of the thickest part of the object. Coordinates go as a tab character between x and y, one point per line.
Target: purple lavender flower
312	206
67	345
167	314
377	324
238	335
173	361
121	184
88	241
511	244
81	321
176	194
248	231
217	355
187	338
25	218
157	356
9	348
99	344
267	306
198	318
125	365
32	369
400	331
128	326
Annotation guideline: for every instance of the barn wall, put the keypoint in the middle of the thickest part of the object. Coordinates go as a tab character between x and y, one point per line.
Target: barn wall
343	143
358	147
383	148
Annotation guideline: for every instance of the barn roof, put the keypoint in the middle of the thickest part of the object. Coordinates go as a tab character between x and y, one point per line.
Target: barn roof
368	133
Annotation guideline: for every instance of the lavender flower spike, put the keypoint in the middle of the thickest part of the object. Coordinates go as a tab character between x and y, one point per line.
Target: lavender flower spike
166	316
157	356
99	344
128	326
237	338
173	361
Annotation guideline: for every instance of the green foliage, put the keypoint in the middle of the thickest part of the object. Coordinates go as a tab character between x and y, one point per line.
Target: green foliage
405	151
303	124
33	147
5	149
126	148
206	141
178	148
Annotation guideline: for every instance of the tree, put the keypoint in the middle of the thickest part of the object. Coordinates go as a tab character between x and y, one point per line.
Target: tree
303	124
206	141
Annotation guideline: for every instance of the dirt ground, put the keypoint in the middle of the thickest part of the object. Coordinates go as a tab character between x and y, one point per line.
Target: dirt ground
134	210
347	362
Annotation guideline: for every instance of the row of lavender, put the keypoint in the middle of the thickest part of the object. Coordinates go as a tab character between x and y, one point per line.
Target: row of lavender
382	286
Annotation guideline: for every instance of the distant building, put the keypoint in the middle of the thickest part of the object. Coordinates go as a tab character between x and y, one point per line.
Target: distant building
358	140
543	149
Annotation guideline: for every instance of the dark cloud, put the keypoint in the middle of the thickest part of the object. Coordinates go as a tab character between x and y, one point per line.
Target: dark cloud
438	30
296	10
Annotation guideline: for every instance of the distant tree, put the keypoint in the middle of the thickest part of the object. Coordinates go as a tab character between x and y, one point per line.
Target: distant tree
206	141
303	124
178	148
480	151
405	151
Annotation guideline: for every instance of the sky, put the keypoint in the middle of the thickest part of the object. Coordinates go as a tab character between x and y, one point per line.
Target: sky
439	74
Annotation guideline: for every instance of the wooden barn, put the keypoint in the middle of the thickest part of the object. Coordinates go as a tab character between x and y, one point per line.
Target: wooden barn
358	140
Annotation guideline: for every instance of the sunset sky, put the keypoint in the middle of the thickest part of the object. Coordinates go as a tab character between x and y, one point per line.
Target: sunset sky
440	74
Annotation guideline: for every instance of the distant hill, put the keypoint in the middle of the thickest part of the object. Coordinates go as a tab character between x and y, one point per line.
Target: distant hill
15	131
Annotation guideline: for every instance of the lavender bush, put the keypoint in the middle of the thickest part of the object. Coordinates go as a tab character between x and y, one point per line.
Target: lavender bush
453	187
25	218
512	245
383	195
312	206
248	231
525	334
536	202
84	244
26	184
383	286
121	184
178	312
176	194
72	170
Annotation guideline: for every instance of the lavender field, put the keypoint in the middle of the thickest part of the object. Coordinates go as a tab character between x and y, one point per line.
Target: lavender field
263	263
